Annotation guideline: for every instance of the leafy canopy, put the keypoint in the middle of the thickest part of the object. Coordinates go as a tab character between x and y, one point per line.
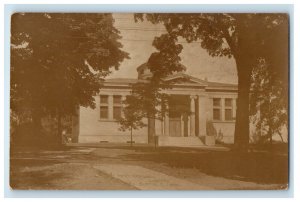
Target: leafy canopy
247	38
59	59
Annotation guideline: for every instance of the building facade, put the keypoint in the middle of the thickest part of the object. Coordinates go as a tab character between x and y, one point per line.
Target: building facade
200	113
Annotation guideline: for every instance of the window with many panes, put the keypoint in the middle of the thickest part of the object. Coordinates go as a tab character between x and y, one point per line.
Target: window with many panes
117	108
103	106
217	109
228	109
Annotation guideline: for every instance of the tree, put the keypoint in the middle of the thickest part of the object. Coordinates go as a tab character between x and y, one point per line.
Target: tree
146	101
245	37
133	117
268	103
59	60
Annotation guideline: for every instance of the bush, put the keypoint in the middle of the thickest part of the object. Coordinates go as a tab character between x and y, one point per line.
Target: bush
210	129
27	134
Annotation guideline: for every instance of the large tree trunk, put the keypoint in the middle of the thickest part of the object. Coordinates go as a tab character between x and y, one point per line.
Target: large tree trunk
241	135
131	136
59	129
151	129
37	122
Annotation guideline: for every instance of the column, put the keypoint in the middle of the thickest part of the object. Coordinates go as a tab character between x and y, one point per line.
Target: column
110	107
182	125
123	98
202	103
192	120
166	122
166	127
189	126
162	126
158	122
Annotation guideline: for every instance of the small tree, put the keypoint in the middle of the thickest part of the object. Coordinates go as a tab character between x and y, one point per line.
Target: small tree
268	102
146	101
132	119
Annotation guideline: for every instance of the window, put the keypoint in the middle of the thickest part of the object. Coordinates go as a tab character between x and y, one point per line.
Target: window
217	114
223	109
117	99
117	108
103	106
228	102
104	112
104	99
217	102
216	108
117	112
228	114
110	107
228	109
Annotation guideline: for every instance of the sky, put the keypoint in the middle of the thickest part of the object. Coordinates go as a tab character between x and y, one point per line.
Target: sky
137	41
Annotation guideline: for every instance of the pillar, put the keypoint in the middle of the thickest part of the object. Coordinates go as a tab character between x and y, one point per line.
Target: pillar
182	125
162	126
166	123
158	122
123	98
189	126
192	120
202	103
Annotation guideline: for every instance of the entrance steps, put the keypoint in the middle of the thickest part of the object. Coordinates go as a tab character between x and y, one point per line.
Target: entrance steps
179	141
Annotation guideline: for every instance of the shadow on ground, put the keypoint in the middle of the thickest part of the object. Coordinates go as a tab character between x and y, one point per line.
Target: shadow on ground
259	167
25	180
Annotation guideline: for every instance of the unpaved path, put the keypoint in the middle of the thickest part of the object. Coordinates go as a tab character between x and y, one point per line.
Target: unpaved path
111	169
146	179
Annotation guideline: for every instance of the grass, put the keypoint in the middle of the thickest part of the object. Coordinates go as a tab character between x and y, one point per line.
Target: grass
260	167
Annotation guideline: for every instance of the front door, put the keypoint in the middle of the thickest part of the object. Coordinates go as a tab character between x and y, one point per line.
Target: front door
175	127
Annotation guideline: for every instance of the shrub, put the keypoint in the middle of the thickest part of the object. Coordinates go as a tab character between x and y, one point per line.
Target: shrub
210	129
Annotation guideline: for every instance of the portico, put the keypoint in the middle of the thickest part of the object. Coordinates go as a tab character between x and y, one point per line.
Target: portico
185	117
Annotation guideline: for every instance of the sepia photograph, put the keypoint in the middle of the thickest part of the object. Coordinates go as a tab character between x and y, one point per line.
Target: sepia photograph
149	101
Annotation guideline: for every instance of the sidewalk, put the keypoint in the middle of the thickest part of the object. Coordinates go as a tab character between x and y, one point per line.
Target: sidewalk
146	179
139	145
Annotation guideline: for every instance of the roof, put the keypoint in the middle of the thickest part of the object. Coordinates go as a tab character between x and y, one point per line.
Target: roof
145	65
191	81
142	66
217	84
186	76
121	80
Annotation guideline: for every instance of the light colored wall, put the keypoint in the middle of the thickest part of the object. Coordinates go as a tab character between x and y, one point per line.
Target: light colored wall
92	129
227	128
158	127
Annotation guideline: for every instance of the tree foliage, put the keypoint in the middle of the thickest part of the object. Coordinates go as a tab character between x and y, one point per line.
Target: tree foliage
59	59
133	118
146	101
268	103
245	37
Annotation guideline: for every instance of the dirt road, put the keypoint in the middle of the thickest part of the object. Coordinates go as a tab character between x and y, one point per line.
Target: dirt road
114	168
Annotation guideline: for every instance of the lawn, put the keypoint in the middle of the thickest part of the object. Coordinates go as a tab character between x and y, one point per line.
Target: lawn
73	167
259	165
